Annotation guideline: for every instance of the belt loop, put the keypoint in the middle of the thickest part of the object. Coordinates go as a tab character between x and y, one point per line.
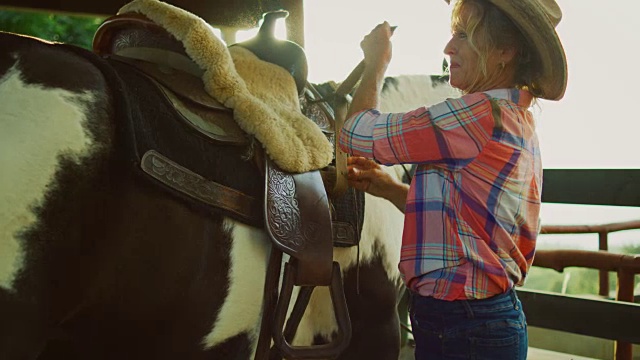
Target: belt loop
514	298
468	309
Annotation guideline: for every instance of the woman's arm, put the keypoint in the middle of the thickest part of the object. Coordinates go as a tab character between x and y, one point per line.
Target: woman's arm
376	47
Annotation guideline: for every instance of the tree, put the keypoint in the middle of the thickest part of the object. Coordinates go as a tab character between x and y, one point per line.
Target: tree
70	29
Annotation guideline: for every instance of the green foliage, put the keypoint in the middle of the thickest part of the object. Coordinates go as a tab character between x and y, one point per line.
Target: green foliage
579	281
631	249
75	30
544	279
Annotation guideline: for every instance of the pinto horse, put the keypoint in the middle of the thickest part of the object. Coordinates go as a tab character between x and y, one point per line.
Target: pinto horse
99	262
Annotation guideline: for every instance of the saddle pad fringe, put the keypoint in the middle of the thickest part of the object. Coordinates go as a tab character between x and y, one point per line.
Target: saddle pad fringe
263	96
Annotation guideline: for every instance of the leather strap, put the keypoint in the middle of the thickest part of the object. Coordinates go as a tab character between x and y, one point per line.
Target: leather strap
270	299
167	58
197	187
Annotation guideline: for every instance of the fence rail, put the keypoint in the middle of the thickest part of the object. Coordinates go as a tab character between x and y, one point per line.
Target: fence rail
625	266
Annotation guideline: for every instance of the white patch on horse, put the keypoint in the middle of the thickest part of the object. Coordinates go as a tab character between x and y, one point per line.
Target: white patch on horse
37	125
242	307
381	236
413	91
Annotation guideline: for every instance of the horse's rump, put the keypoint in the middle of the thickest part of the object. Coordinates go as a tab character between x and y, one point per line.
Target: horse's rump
49	166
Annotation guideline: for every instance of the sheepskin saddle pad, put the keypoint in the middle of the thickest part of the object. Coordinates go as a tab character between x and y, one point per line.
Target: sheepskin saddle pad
173	89
262	95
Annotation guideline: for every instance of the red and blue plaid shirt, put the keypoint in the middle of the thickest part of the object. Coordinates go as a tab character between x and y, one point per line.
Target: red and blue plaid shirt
472	212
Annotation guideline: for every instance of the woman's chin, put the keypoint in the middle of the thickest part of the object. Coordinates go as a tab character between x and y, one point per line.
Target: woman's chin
455	84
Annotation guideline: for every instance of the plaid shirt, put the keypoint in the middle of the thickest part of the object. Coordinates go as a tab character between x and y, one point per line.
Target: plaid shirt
472	212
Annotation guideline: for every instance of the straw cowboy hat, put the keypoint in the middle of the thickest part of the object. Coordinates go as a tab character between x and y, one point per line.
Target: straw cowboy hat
537	20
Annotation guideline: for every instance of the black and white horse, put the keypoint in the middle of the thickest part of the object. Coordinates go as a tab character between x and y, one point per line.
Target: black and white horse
97	263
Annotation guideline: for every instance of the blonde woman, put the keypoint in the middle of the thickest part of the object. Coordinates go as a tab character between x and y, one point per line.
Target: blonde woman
472	209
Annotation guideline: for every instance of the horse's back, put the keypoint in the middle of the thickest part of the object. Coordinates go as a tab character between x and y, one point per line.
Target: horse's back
49	64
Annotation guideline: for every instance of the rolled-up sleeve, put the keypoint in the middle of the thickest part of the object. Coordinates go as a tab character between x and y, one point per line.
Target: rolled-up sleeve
449	134
356	137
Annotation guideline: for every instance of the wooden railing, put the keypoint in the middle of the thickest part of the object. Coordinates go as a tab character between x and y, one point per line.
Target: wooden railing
603	240
625	266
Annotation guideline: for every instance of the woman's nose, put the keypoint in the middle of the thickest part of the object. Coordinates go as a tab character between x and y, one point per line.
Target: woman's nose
450	48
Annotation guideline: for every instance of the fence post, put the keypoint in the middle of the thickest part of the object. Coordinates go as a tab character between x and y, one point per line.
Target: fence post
626	283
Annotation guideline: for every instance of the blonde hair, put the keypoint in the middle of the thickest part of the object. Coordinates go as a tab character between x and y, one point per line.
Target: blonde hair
487	28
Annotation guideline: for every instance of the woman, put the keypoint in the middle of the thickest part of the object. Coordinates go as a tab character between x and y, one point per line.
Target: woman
472	209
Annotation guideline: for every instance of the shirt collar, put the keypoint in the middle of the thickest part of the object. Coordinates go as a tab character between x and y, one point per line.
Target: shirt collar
521	97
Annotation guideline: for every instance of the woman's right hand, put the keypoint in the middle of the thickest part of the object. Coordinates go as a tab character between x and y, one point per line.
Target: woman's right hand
377	46
369	176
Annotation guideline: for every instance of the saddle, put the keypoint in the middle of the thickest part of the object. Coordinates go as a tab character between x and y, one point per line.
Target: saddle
135	40
296	210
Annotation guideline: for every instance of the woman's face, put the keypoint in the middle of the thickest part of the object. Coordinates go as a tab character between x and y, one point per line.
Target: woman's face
463	62
465	71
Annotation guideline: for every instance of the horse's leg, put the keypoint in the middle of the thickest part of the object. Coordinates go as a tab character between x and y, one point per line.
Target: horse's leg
54	136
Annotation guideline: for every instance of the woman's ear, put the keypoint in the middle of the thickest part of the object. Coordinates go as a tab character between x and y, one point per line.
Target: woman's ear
507	54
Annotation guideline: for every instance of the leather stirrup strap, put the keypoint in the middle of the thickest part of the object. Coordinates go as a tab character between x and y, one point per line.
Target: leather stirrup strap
270	298
340	105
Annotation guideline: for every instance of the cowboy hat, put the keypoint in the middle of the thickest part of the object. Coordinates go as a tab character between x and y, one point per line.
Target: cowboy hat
537	20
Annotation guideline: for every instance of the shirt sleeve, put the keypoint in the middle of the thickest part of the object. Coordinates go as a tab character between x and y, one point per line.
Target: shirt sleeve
449	134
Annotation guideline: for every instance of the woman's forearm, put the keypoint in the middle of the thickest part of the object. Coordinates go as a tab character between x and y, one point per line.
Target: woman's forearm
397	195
367	95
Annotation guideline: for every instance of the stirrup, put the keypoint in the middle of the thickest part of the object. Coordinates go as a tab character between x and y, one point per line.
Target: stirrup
331	350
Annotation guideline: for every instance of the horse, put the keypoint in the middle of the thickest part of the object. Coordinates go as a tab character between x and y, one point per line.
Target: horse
98	260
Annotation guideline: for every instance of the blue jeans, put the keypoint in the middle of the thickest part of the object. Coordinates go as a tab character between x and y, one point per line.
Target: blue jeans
486	329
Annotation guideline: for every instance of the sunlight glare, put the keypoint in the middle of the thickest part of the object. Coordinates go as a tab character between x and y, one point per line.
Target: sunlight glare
280	31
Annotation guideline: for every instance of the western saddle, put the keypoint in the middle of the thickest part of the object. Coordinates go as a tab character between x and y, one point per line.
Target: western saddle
296	208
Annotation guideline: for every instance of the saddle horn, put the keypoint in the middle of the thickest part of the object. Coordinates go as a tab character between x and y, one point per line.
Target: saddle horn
284	53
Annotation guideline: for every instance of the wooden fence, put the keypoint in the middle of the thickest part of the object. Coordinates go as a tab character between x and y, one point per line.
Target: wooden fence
616	320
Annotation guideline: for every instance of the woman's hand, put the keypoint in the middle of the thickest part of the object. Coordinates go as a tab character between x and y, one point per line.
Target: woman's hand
377	55
377	46
368	176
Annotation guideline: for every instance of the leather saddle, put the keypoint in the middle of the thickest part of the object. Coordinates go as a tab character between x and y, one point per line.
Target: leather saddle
296	210
139	42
